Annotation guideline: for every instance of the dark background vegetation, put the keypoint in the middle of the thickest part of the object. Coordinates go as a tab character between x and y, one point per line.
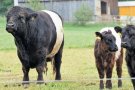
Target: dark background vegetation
5	5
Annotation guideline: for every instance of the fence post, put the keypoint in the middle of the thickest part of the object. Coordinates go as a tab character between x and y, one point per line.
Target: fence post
15	2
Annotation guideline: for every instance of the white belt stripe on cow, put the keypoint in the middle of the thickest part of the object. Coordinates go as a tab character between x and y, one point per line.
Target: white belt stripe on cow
59	31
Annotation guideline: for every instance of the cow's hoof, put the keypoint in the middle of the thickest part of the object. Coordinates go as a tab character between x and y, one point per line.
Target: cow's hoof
25	86
58	78
109	88
119	84
101	88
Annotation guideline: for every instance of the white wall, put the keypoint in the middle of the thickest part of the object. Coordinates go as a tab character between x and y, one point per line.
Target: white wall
15	2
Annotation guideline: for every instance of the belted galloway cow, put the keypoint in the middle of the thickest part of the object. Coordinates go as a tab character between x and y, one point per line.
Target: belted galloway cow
107	51
128	42
38	37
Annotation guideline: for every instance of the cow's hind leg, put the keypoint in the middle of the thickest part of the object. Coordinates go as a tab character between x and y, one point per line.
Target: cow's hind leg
26	75
57	63
119	70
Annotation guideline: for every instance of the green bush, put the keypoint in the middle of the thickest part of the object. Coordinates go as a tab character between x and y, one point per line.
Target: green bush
35	5
83	14
5	5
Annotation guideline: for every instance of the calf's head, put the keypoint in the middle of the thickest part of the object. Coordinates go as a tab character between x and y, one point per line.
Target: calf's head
17	17
128	37
108	39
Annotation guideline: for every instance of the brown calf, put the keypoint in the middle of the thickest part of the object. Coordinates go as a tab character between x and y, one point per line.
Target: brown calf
104	51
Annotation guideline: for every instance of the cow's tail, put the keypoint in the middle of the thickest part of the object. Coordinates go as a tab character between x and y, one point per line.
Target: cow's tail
46	68
53	66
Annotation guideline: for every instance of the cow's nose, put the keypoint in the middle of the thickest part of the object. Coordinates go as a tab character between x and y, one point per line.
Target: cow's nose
10	26
116	48
123	44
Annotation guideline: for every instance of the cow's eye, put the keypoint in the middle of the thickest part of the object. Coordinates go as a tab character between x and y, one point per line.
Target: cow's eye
110	40
19	17
22	19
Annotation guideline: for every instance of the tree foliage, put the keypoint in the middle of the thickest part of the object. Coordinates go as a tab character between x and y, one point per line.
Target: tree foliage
83	14
5	5
35	5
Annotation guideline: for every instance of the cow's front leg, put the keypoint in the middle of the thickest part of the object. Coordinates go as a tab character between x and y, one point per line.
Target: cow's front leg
109	76
25	65
40	70
41	60
26	75
101	70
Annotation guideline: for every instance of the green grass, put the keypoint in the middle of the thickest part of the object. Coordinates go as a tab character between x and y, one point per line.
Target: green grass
79	36
78	62
6	39
75	36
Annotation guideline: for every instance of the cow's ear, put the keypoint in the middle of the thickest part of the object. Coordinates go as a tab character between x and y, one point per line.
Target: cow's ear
99	35
118	29
32	16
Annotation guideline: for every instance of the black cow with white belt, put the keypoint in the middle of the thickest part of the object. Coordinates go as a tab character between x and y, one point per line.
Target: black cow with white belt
39	38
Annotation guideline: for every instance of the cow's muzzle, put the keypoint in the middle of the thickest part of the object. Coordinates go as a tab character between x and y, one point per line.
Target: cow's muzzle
124	45
10	27
114	49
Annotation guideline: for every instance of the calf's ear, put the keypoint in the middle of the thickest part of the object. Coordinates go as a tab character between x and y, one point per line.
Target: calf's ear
98	34
32	16
118	29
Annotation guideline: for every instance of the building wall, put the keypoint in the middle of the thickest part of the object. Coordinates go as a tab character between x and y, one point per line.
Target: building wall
112	7
127	11
127	8
67	8
114	10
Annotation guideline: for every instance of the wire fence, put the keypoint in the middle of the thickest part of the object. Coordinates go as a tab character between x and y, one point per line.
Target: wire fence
50	81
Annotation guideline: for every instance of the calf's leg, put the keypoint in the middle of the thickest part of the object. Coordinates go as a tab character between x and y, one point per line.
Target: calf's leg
133	82
101	76
119	70
132	75
130	66
109	76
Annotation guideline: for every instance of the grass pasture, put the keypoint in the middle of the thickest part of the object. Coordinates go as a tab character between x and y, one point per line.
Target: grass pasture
78	62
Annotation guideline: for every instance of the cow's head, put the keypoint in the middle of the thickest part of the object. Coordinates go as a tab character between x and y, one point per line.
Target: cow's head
17	18
128	37
108	39
118	29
